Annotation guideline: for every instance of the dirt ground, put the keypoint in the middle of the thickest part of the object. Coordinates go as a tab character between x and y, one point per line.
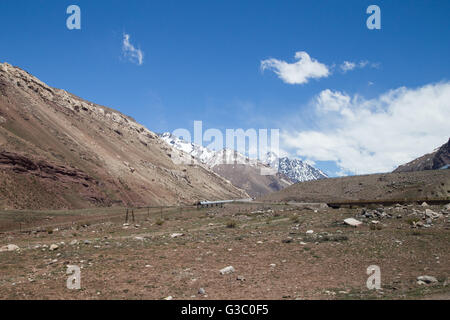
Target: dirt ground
268	245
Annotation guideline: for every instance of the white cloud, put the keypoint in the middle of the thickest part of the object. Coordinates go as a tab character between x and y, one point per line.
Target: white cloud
328	100
349	65
375	135
298	72
134	55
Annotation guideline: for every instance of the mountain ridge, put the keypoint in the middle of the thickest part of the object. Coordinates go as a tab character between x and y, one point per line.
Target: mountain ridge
244	172
127	164
438	159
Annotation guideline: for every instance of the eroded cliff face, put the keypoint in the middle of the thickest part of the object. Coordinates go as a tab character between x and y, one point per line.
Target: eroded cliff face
60	151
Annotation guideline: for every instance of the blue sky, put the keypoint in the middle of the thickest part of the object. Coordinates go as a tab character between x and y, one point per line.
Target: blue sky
202	61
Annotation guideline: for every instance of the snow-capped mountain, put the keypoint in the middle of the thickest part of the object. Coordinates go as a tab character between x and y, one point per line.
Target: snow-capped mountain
206	156
294	169
299	171
200	153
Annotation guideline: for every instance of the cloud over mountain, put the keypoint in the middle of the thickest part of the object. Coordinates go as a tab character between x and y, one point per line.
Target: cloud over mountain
374	135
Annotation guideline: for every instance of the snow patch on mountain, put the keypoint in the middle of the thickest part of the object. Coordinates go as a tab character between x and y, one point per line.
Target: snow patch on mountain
295	169
299	171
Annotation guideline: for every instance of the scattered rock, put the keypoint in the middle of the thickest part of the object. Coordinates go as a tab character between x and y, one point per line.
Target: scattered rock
240	278
426	279
424	204
201	291
309	232
9	248
176	235
352	222
431	214
53	247
168	298
418	224
227	270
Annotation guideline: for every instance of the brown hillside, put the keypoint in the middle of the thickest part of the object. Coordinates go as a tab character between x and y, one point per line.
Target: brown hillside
395	186
59	151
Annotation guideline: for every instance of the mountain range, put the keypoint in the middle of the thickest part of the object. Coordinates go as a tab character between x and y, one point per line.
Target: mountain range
245	172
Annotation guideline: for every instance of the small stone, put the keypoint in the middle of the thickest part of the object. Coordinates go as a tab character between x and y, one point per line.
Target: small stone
9	248
240	278
73	242
201	291
53	247
176	235
168	298
427	279
309	232
227	270
352	222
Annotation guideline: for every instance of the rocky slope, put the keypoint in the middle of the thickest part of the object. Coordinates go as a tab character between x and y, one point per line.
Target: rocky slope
60	151
438	159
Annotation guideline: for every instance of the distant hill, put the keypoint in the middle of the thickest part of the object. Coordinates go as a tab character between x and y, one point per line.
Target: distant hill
438	159
387	186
